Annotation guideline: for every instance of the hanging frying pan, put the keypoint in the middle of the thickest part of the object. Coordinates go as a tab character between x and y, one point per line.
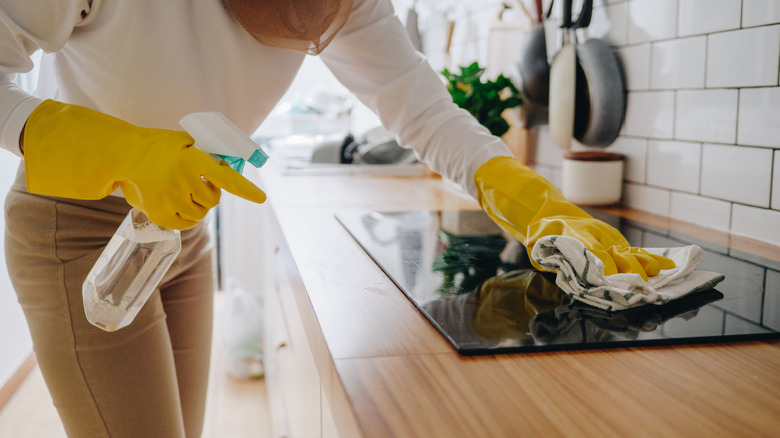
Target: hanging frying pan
563	74
534	70
600	100
533	66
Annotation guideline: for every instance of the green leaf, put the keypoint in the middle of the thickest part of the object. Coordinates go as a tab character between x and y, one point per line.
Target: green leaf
512	102
497	126
483	99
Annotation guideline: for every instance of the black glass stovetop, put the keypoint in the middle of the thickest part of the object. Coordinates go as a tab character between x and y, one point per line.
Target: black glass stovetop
477	287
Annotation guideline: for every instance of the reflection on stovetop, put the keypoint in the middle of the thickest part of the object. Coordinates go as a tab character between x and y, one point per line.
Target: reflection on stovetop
477	287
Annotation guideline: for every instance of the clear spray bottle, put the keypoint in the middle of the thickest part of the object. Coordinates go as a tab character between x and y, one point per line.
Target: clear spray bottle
140	252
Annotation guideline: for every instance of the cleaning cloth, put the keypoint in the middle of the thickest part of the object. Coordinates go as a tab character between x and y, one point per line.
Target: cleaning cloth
581	275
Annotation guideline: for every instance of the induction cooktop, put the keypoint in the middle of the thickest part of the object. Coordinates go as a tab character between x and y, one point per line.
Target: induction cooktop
475	285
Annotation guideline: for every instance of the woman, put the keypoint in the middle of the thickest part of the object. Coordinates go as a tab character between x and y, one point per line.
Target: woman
101	135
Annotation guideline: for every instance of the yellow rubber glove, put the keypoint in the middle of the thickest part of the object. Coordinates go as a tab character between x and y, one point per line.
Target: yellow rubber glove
529	208
74	152
507	303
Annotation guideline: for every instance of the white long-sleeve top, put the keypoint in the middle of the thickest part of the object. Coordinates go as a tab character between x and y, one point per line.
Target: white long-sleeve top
151	62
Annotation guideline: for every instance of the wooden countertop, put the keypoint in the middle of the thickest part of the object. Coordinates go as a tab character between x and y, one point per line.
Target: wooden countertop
386	372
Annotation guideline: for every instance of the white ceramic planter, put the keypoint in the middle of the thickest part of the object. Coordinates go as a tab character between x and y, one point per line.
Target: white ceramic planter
592	177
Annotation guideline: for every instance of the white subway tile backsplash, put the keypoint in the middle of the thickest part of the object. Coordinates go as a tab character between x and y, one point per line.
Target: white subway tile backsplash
701	134
434	31
678	63
504	46
552	174
674	165
547	152
700	210
704	16
635	151
743	58
776	182
465	54
474	21
759	117
635	62
706	115
609	24
651	20
649	114
646	198
758	12
757	223
737	173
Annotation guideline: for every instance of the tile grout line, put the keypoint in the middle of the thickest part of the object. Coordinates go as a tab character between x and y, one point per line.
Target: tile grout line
778	71
731	215
742	14
647	159
674	115
677	21
701	169
772	176
736	128
707	34
706	58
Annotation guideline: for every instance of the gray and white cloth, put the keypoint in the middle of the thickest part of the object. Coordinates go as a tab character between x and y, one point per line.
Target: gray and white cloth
581	275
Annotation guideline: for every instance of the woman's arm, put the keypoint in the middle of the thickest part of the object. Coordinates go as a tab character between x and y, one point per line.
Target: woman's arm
26	26
373	57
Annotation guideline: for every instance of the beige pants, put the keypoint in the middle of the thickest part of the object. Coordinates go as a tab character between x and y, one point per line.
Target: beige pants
146	380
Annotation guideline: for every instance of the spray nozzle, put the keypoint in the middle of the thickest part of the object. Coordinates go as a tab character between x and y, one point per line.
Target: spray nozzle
219	137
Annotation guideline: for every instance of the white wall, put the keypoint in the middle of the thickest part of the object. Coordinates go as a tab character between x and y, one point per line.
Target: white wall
702	129
243	224
15	343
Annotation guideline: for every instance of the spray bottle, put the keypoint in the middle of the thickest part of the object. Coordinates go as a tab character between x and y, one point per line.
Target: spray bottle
140	252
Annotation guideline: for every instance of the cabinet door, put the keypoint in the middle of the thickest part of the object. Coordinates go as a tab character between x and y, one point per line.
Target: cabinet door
276	340
300	380
293	380
328	423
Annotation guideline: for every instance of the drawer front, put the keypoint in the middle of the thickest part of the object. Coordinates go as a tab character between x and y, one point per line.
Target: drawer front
276	341
293	381
300	380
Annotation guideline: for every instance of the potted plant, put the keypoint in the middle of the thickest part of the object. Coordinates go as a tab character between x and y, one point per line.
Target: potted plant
484	99
490	102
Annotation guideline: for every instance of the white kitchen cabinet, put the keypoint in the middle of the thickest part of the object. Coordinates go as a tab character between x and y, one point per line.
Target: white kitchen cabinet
294	386
328	424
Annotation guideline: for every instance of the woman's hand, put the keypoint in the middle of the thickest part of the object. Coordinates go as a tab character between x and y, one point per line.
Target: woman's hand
75	152
529	207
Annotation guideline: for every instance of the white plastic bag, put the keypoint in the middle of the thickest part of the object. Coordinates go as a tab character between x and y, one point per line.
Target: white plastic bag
243	334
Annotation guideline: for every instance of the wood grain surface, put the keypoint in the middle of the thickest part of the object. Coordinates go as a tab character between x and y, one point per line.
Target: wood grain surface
386	372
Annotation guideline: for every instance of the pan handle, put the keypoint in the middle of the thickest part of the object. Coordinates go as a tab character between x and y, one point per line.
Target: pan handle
583	21
539	11
566	19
